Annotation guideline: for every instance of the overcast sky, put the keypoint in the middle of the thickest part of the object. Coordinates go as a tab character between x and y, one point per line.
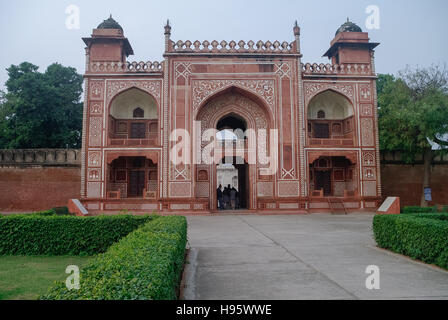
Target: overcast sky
411	32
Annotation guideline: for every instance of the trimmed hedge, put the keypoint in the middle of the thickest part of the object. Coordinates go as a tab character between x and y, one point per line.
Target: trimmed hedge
62	211
436	216
416	209
419	236
145	265
42	234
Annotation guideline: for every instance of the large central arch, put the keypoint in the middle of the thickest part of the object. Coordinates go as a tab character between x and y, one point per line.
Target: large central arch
255	115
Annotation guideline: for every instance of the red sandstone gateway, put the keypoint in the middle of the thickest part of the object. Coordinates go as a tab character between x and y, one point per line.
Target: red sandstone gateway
320	124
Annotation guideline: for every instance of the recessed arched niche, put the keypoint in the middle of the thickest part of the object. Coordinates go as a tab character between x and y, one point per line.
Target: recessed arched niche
133	119
131	102
330	119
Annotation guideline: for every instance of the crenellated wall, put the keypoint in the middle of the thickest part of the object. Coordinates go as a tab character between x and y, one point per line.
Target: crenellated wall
39	157
38	179
259	47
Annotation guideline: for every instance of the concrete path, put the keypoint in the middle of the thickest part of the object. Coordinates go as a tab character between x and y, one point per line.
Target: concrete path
315	256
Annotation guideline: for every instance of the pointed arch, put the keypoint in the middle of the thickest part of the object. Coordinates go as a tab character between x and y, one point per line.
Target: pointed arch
122	105
238	90
313	89
333	104
256	115
133	118
331	119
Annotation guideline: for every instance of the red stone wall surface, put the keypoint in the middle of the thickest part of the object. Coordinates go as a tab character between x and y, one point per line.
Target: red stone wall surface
405	181
38	188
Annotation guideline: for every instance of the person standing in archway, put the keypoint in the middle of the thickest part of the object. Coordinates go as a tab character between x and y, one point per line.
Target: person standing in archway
233	198
219	196
237	200
226	197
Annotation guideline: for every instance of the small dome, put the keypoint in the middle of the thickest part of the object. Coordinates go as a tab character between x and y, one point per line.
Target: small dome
110	24
349	27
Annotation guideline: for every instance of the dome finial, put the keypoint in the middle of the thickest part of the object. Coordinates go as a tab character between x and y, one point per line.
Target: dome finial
349	27
296	29
167	27
110	23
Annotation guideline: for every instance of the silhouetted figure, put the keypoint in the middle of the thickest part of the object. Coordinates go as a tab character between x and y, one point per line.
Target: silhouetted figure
226	196
233	198
219	194
237	200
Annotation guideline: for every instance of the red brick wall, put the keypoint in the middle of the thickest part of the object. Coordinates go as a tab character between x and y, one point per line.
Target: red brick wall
405	181
38	188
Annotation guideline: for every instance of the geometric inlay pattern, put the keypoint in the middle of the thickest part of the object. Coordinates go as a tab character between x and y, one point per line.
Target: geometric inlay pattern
202	89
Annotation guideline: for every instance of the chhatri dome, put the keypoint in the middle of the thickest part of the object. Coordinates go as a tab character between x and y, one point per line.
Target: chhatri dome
110	24
349	27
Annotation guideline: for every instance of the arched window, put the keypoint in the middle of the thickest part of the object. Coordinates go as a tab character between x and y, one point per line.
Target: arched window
321	114
138	113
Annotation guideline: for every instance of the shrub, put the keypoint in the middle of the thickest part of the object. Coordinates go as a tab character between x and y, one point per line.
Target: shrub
62	211
50	212
42	234
437	216
415	209
420	236
146	264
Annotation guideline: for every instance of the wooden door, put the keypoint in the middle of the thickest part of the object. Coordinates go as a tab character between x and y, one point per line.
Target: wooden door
138	130
323	181
136	183
321	131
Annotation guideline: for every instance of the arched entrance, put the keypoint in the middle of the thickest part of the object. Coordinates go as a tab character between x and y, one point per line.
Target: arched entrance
132	174
237	118
233	174
333	176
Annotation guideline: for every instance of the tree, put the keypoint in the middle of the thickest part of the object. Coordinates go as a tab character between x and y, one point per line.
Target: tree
41	110
413	114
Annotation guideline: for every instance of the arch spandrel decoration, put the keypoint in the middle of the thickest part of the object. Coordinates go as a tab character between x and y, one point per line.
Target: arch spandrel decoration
204	89
153	87
313	88
210	113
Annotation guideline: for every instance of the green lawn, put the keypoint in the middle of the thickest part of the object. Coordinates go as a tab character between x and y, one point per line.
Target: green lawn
25	278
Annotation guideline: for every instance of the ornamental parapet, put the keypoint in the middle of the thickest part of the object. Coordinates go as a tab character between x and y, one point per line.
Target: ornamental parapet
232	47
39	157
363	69
131	67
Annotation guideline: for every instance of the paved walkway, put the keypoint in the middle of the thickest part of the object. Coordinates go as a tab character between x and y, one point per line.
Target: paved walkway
315	256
